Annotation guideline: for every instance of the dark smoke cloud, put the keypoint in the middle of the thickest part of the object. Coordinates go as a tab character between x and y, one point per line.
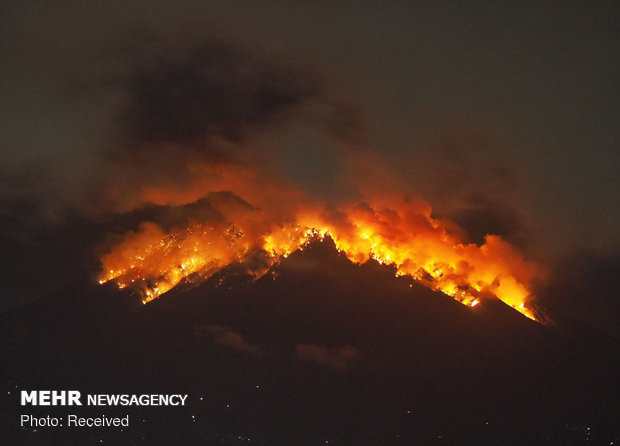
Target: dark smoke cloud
212	92
463	172
481	216
193	110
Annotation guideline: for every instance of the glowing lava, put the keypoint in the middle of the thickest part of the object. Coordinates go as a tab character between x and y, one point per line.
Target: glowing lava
153	261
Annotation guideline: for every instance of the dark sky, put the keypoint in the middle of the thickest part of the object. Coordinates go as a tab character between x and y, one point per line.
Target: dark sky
504	117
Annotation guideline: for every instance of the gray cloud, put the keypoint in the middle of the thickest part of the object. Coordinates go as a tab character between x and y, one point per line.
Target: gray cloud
210	92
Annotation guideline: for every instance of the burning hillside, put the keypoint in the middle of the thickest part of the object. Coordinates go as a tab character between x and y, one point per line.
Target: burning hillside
400	232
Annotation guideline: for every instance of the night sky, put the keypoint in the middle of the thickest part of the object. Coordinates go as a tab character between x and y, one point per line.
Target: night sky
504	117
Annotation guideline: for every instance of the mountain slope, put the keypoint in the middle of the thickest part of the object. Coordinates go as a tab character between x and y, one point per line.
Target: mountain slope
317	350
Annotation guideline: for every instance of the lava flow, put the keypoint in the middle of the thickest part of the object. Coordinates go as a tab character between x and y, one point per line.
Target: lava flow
391	231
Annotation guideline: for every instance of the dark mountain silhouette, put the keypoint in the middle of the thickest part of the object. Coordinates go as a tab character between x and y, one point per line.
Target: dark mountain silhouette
318	351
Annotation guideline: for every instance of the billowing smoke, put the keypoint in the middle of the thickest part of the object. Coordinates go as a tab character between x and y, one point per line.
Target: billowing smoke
202	146
214	118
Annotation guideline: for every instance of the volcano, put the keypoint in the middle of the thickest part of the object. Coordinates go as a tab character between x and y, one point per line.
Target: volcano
318	351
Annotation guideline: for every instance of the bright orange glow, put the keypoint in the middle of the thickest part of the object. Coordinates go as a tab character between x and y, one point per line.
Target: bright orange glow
390	231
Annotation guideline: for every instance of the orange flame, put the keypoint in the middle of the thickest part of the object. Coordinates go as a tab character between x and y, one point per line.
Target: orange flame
390	231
